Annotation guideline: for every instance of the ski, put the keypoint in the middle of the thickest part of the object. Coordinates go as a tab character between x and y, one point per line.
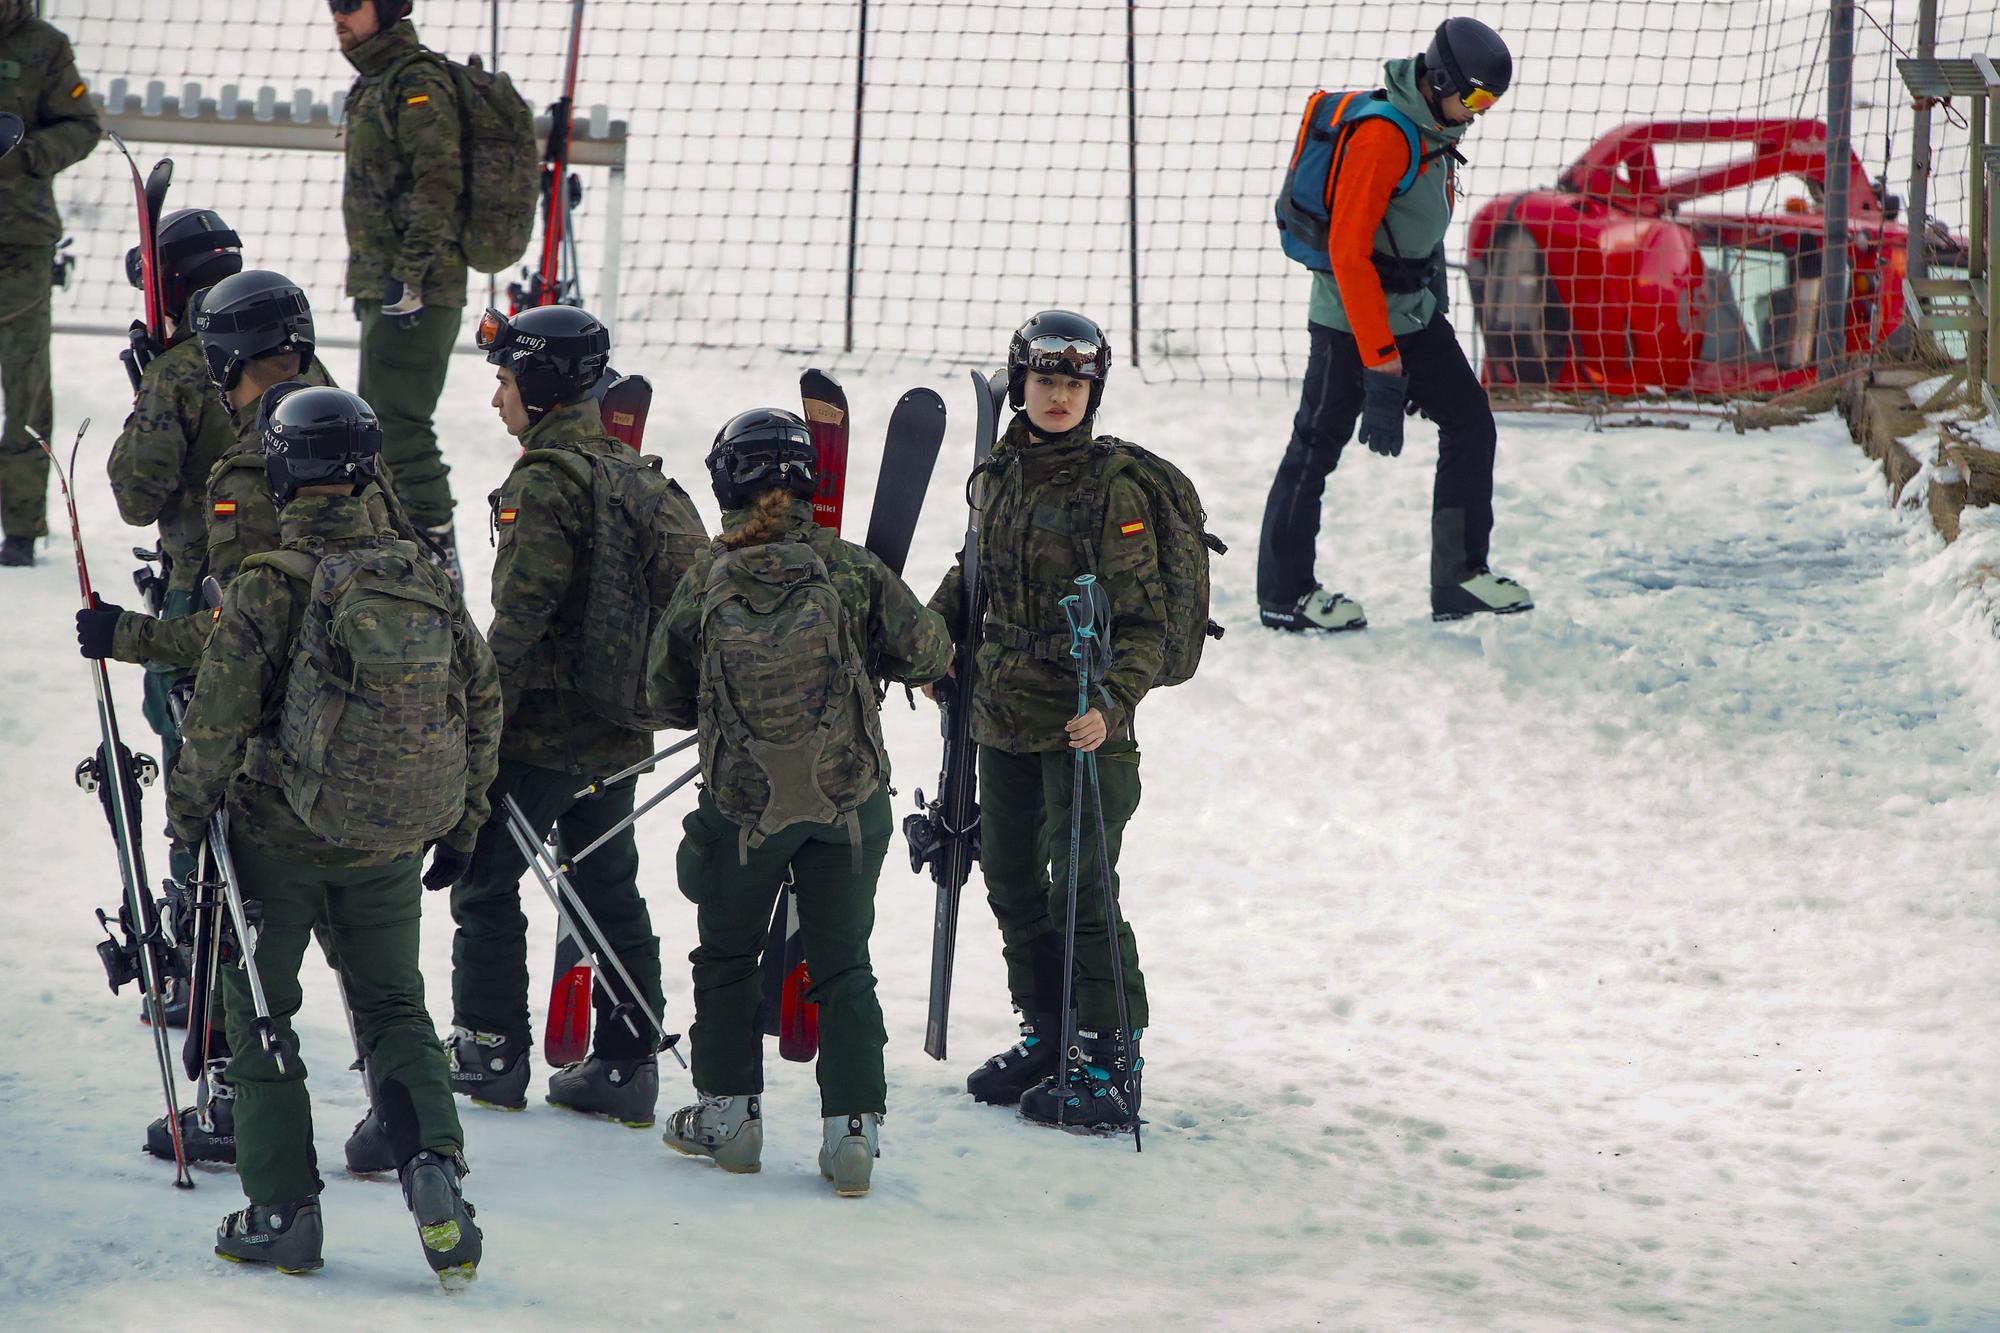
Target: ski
909	456
566	1038
114	773
826	418
557	281
623	401
146	338
944	833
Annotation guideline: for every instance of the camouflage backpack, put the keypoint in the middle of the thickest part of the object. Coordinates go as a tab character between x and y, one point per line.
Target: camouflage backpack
370	743
644	532
502	162
1181	536
789	730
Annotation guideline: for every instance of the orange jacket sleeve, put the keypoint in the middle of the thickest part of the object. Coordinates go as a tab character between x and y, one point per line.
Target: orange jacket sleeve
1377	156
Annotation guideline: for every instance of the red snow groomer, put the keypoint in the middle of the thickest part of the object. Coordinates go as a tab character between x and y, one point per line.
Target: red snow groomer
1625	280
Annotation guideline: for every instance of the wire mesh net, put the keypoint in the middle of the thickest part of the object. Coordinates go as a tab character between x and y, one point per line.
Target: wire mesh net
910	179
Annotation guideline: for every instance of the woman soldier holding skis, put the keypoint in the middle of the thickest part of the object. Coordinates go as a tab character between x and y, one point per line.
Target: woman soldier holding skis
1054	509
771	646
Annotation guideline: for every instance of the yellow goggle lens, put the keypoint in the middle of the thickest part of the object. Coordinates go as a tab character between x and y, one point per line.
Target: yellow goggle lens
1478	99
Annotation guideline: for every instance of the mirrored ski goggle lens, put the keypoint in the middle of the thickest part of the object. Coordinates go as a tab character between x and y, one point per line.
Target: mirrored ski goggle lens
493	327
1479	99
344	6
1068	356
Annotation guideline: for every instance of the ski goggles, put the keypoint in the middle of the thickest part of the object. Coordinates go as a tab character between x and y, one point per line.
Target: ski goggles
1080	358
1477	100
495	332
345	6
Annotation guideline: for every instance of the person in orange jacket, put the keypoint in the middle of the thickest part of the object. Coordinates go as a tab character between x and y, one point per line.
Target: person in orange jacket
1381	344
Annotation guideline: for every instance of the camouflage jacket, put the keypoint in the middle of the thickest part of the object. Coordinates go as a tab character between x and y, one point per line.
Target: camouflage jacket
240	686
39	83
542	524
901	640
405	174
160	463
1043	507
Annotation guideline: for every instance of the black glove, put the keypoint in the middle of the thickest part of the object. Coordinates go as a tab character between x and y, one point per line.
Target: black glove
97	626
1382	399
402	309
448	866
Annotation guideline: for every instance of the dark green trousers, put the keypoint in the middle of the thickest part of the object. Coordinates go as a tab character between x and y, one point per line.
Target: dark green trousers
489	954
370	916
160	681
1024	805
836	917
402	375
25	388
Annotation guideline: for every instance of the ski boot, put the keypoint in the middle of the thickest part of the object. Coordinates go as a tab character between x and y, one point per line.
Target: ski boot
440	544
368	1151
208	1133
1329	612
1484	591
1002	1079
173	1003
849	1145
489	1068
728	1129
286	1236
17	551
1100	1092
444	1219
621	1090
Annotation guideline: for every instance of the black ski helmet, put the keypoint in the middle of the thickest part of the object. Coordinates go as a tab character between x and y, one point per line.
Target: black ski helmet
759	449
1060	342
556	353
386	11
316	435
196	249
1466	55
251	314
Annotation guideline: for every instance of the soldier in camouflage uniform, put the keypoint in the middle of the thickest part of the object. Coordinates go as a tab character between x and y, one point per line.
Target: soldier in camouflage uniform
1045	512
359	878
405	268
732	868
557	739
38	83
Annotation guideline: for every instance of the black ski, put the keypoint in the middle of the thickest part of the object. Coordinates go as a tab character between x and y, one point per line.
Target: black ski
909	456
944	833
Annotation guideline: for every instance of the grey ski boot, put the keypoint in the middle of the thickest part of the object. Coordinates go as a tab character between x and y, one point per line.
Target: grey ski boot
286	1236
849	1145
728	1129
621	1090
489	1068
444	1219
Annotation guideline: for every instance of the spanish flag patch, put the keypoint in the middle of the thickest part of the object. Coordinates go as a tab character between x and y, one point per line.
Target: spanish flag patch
76	92
418	100
507	515
1132	529
225	508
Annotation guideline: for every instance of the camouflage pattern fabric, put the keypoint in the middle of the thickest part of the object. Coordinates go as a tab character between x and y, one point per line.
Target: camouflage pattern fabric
405	173
899	639
239	692
1031	547
39	83
24	384
160	463
544	522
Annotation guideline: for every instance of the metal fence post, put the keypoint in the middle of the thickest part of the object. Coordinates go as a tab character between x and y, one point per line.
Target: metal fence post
1834	313
1917	261
1132	159
854	178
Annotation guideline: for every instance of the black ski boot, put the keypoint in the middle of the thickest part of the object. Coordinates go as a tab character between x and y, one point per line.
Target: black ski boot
440	543
489	1068
368	1149
208	1133
444	1218
1002	1079
1101	1092
286	1236
621	1090
17	551
173	1002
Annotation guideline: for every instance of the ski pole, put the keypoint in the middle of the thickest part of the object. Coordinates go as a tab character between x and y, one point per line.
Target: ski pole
639	767
246	938
1115	923
1077	613
633	818
568	905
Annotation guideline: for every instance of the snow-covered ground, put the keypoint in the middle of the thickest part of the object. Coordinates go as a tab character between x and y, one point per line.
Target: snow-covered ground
1624	965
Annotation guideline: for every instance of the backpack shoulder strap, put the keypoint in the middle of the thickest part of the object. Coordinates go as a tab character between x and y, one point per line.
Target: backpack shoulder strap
580	468
293	564
1377	106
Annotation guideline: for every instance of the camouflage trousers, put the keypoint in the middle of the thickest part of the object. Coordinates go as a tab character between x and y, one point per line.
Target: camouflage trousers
370	917
402	375
1024	805
24	385
836	917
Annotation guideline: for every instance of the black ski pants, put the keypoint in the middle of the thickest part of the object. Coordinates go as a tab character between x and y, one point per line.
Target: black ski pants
1443	384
